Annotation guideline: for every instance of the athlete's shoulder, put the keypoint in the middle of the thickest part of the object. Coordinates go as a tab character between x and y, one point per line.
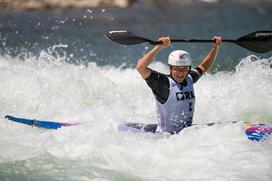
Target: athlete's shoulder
155	76
196	73
159	84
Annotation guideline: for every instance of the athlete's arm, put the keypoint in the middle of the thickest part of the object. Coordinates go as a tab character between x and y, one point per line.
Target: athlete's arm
209	59
143	63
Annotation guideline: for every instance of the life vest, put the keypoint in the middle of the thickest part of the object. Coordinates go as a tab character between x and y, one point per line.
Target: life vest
178	110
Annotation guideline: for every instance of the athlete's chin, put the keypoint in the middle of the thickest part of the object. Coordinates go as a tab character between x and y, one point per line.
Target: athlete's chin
180	80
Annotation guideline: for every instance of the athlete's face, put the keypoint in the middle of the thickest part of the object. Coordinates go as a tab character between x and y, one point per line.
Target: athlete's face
179	73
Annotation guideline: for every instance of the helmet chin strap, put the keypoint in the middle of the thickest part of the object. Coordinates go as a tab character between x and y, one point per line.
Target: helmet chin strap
187	74
188	71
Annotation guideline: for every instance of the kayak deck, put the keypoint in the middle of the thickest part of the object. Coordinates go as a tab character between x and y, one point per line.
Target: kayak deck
254	132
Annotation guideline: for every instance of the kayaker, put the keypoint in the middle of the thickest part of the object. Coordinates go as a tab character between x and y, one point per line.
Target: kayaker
174	93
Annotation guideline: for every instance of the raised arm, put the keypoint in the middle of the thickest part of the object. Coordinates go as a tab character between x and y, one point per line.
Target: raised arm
145	61
209	59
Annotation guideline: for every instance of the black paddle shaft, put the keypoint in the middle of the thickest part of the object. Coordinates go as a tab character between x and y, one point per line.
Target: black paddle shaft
259	41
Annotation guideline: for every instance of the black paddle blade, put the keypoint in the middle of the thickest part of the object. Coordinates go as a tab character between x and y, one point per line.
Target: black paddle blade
125	37
259	41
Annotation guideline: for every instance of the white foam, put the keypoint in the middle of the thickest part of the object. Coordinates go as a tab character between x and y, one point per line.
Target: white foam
47	88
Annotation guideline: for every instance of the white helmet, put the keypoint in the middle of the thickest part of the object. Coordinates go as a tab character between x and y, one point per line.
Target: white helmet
179	58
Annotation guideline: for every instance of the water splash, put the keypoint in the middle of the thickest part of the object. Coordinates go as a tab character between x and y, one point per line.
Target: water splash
46	87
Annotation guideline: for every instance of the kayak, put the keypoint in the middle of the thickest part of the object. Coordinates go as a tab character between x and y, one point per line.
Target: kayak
39	123
254	131
257	132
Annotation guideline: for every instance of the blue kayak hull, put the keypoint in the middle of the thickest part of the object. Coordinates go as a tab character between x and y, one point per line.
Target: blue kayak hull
39	123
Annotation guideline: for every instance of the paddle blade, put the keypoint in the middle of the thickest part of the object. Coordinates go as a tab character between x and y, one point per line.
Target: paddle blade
259	41
125	37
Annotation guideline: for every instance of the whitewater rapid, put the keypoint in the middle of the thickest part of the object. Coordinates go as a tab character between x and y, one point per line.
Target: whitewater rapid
46	87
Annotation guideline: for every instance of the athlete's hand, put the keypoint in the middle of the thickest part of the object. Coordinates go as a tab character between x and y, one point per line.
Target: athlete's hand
217	41
165	42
